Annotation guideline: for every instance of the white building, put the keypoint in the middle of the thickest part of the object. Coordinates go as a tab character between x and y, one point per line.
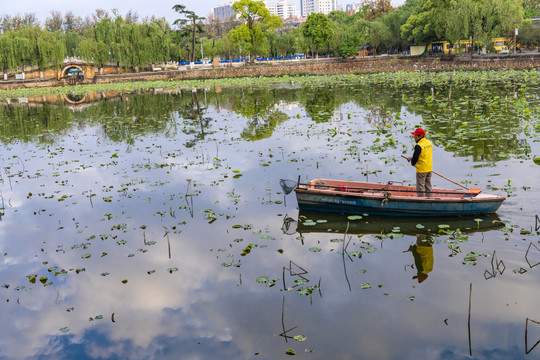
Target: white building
223	12
317	6
283	9
353	7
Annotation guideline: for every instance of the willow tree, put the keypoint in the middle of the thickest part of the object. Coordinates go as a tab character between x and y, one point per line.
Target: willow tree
158	34
498	18
51	49
22	51
136	47
7	53
88	49
100	48
72	43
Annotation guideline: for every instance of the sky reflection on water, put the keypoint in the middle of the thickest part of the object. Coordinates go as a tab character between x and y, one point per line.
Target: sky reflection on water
124	203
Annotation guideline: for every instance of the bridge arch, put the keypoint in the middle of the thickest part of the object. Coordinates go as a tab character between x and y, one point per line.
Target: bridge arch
73	74
67	68
75	99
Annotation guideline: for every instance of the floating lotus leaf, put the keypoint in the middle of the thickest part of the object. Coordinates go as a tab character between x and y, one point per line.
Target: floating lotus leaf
306	290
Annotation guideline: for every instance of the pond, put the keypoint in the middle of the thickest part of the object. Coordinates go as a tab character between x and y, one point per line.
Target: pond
150	223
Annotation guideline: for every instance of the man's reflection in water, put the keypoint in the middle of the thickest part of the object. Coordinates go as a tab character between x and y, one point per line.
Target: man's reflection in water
423	256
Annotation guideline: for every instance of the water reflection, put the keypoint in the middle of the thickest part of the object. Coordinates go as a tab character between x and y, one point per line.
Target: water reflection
424	230
311	221
320	104
192	115
470	123
422	252
138	246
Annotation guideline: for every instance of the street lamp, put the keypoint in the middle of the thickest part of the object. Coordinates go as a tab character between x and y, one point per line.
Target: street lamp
515	38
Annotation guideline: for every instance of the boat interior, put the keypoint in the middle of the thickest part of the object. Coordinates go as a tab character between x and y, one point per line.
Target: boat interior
380	189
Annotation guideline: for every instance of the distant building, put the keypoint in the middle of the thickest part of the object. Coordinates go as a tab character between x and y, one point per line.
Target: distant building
223	12
354	7
317	6
283	9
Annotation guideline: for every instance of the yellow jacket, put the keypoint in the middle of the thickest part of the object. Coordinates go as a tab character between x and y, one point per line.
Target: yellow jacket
425	160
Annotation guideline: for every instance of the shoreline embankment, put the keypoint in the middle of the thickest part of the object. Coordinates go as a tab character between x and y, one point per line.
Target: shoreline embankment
322	66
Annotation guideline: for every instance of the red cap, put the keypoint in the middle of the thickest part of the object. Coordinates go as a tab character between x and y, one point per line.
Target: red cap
419	131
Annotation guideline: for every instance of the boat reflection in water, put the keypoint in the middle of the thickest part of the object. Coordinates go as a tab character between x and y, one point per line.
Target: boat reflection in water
319	222
424	229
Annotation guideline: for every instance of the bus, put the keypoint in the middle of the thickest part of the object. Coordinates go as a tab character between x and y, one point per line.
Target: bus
446	48
501	44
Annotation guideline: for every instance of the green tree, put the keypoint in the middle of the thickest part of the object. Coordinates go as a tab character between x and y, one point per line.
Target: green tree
427	23
195	27
317	28
72	43
498	18
459	20
529	35
531	8
381	37
258	22
51	48
7	53
393	21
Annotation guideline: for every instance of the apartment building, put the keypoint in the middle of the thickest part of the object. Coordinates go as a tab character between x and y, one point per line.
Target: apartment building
223	12
317	6
283	9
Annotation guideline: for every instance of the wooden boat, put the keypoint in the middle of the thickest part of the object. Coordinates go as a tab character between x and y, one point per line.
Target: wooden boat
354	197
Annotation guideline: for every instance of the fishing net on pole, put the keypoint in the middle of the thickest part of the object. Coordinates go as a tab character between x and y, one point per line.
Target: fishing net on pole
287	185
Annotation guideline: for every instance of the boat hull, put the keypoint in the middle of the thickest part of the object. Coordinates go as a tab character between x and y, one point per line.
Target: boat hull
381	201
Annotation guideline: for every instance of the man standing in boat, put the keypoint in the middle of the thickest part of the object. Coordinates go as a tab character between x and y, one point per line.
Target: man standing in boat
422	160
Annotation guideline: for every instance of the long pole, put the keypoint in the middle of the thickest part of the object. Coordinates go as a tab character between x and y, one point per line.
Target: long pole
452	181
444	177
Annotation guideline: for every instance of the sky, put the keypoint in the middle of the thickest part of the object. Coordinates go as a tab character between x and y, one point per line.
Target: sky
159	8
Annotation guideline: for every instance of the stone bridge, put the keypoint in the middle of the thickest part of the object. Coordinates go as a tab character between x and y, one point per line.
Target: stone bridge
76	70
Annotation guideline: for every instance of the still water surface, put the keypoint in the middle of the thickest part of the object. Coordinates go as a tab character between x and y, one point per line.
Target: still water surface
153	226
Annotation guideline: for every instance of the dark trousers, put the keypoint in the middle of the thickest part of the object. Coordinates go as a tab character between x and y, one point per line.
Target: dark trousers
423	184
